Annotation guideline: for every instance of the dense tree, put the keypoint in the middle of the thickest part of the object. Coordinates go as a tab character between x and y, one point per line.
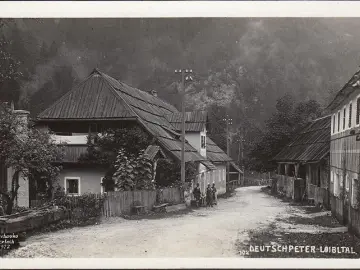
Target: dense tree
289	117
28	151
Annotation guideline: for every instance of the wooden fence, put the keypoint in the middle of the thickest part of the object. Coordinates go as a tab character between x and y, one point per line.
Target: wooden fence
337	208
354	224
118	203
170	195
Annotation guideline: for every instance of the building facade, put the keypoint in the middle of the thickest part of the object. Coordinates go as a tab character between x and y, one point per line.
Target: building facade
303	165
345	151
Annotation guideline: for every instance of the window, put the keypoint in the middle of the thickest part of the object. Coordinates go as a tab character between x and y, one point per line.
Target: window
350	114
344	118
354	191
332	177
338	126
319	176
334	122
341	181
336	184
347	182
203	141
72	185
357	110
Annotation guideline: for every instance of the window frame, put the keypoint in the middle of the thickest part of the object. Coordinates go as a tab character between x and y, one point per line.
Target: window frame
203	145
350	115
336	184
102	189
357	111
344	118
66	178
354	183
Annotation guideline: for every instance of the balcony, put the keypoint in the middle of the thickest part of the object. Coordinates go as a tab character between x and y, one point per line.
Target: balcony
71	140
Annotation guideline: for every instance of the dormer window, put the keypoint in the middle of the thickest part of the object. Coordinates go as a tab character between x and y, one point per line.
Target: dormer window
203	141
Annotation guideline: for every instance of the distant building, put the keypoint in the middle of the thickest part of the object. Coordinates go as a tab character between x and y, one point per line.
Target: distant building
303	165
214	169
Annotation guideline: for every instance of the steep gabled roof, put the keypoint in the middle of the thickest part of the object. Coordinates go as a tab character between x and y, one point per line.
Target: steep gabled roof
214	153
102	97
352	85
194	121
312	144
152	151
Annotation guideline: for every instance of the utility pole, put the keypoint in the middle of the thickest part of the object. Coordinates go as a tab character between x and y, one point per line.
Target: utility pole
185	77
228	123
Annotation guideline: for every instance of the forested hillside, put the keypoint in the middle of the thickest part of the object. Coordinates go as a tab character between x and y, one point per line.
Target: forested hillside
242	66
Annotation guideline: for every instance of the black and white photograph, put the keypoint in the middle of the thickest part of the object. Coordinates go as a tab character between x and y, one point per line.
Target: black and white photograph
180	137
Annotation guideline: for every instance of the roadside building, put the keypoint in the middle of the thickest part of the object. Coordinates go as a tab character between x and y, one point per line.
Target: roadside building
303	165
344	153
100	102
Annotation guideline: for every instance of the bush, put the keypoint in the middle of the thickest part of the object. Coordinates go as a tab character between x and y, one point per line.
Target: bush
83	209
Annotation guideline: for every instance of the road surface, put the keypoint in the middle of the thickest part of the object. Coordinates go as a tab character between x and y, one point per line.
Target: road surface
210	232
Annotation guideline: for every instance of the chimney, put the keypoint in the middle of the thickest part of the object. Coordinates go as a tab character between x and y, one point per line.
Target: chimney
154	93
22	117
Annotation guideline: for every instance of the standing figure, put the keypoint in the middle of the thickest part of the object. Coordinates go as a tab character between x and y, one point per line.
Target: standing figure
209	196
197	194
214	192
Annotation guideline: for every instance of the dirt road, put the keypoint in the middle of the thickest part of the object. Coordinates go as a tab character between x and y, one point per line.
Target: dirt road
202	233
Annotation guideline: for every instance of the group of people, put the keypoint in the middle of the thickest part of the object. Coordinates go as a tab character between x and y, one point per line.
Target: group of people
210	197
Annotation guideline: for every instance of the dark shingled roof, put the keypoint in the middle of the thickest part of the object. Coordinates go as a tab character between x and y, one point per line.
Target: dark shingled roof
312	144
102	97
214	153
236	167
194	121
209	165
352	85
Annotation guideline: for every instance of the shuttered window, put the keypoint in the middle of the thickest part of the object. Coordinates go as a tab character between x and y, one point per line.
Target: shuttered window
357	110
338	127
350	114
334	122
344	118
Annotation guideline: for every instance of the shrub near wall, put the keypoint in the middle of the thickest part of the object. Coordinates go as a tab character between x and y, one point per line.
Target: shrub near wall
85	209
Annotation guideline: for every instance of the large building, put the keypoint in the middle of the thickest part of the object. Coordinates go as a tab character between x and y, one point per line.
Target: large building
345	150
100	102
